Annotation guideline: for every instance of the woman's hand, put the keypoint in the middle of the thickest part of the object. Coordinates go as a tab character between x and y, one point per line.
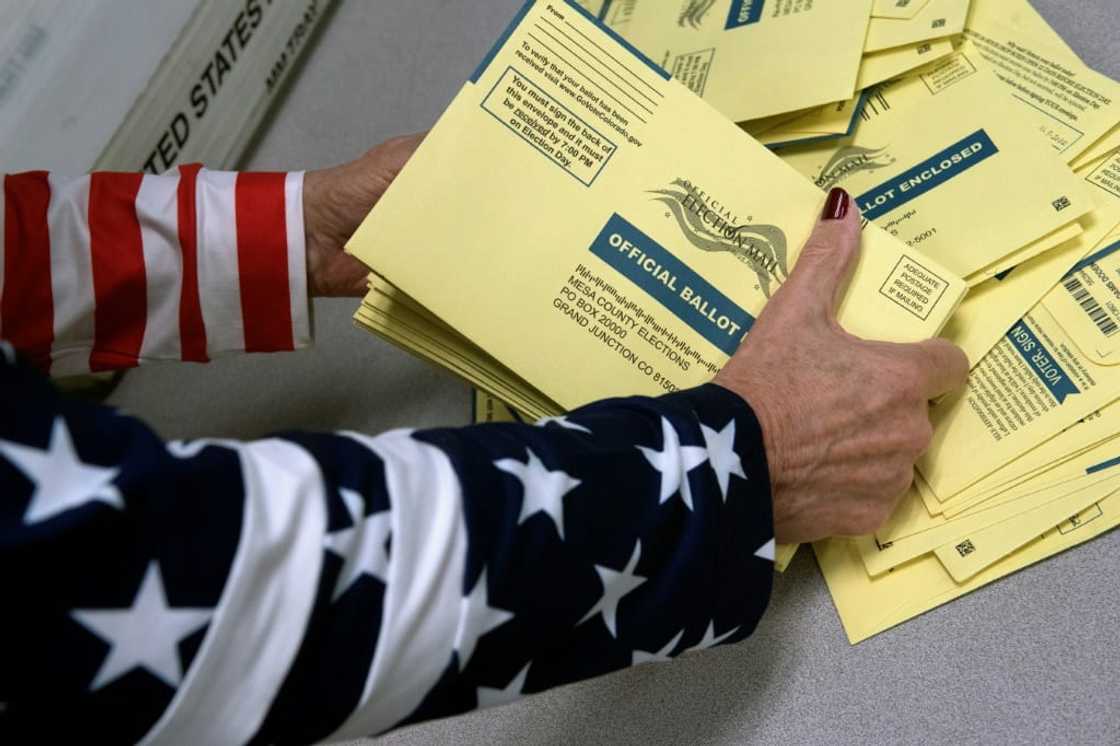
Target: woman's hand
843	419
335	200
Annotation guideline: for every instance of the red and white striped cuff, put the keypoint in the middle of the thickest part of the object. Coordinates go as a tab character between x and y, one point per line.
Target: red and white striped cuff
109	270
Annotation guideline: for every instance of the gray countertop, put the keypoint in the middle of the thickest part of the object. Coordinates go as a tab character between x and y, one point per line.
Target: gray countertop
1032	658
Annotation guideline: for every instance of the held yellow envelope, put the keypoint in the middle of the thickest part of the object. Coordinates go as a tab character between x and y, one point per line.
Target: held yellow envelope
413	338
388	312
755	58
949	167
937	19
639	249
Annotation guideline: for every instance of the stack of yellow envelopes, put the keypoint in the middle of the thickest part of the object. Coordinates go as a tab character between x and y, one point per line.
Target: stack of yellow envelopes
1025	461
788	70
597	214
554	248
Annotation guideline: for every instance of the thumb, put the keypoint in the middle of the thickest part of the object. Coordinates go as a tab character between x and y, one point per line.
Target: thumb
825	265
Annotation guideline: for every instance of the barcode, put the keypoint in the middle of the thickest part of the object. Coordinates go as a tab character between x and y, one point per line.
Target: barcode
1087	302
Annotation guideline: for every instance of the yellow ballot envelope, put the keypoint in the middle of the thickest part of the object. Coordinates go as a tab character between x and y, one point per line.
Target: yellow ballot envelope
868	606
821	123
901	9
579	224
877	67
1090	293
1038	381
1058	501
935	19
1064	345
633	253
1072	106
993	306
1098	152
1036	464
947	164
754	58
1021	17
1096	478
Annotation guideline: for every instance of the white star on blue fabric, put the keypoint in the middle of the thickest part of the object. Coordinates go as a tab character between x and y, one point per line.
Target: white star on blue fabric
674	461
639	657
766	551
362	545
709	639
488	697
62	480
542	490
563	422
145	635
721	453
615	585
476	618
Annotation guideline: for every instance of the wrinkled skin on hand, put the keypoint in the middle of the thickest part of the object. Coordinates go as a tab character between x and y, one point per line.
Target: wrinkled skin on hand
843	419
335	201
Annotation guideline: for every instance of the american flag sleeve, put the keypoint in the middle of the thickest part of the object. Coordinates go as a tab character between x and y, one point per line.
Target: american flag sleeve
314	587
111	270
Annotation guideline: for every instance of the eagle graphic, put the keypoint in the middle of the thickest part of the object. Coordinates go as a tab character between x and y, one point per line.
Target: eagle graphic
694	12
761	247
850	159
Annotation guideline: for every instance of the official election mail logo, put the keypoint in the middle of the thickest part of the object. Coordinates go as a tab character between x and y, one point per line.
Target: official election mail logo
692	15
709	225
849	160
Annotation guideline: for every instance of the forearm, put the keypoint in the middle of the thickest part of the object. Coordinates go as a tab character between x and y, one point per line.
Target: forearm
337	585
634	530
108	271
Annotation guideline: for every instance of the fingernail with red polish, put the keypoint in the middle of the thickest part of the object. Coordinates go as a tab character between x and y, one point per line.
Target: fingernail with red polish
837	204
